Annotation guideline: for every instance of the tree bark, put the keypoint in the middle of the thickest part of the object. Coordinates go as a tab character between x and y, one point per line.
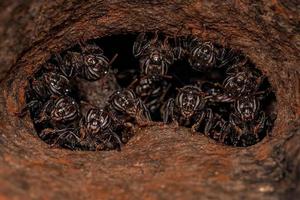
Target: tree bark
159	162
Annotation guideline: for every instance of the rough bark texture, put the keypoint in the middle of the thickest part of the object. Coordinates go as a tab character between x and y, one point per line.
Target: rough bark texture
159	162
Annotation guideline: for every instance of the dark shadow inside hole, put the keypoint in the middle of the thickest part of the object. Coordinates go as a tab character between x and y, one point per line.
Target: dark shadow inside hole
126	65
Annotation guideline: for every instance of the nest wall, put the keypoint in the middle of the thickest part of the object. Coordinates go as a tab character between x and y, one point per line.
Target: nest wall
158	162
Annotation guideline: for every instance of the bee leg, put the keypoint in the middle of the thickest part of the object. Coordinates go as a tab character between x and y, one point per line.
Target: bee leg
260	126
45	133
210	121
143	117
196	126
24	110
118	140
234	123
140	44
224	132
43	115
65	137
129	132
168	112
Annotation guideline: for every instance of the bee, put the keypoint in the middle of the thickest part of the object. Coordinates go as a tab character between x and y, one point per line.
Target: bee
90	64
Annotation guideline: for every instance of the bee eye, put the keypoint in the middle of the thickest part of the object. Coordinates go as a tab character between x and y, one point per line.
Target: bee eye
61	111
95	123
91	60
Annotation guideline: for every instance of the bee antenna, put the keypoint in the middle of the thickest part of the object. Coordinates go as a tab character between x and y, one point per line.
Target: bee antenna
113	59
178	89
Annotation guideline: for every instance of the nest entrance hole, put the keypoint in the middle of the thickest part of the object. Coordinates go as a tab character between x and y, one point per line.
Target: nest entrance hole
126	69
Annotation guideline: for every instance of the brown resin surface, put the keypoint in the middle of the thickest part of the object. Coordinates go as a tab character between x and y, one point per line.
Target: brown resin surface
160	162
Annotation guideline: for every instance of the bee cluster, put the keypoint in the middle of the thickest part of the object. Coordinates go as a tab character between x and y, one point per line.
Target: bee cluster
181	81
